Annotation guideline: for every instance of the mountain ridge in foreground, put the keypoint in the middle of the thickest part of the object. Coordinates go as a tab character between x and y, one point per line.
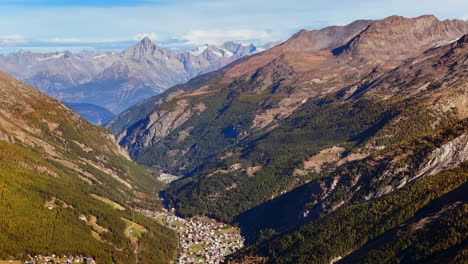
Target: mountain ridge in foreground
330	121
61	179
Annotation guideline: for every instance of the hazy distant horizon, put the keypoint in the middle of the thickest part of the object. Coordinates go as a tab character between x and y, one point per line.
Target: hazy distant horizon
57	25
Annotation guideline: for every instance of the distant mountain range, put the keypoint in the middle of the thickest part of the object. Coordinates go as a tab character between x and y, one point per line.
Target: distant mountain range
118	80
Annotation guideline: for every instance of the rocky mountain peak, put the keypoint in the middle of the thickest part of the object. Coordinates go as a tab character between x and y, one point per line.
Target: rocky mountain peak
67	54
144	47
398	19
146	41
326	38
230	45
398	36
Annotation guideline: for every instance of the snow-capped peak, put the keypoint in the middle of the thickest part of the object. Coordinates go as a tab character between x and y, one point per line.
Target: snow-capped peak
52	57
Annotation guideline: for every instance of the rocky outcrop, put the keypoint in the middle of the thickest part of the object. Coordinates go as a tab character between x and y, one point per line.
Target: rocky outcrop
154	128
448	156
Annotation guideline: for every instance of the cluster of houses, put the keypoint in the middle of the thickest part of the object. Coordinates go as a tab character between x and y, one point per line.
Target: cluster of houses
201	241
152	214
206	242
167	178
69	259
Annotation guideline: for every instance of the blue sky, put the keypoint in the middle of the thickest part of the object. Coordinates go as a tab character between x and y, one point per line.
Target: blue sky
41	25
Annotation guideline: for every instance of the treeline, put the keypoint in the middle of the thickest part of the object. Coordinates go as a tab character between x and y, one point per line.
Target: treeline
78	140
352	227
317	125
354	182
28	227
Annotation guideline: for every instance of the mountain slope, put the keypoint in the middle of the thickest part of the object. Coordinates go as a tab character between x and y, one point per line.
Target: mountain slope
327	38
400	224
117	80
390	195
56	170
248	133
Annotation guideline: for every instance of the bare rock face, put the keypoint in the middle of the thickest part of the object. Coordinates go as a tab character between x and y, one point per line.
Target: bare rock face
400	37
462	40
118	70
325	39
158	125
448	156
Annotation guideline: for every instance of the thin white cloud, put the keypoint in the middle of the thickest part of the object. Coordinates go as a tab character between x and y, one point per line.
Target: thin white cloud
198	37
186	41
78	40
208	21
152	36
11	40
66	40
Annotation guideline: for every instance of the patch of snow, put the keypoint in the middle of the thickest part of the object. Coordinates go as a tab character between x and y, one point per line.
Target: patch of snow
258	50
56	56
217	53
198	51
99	56
226	52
